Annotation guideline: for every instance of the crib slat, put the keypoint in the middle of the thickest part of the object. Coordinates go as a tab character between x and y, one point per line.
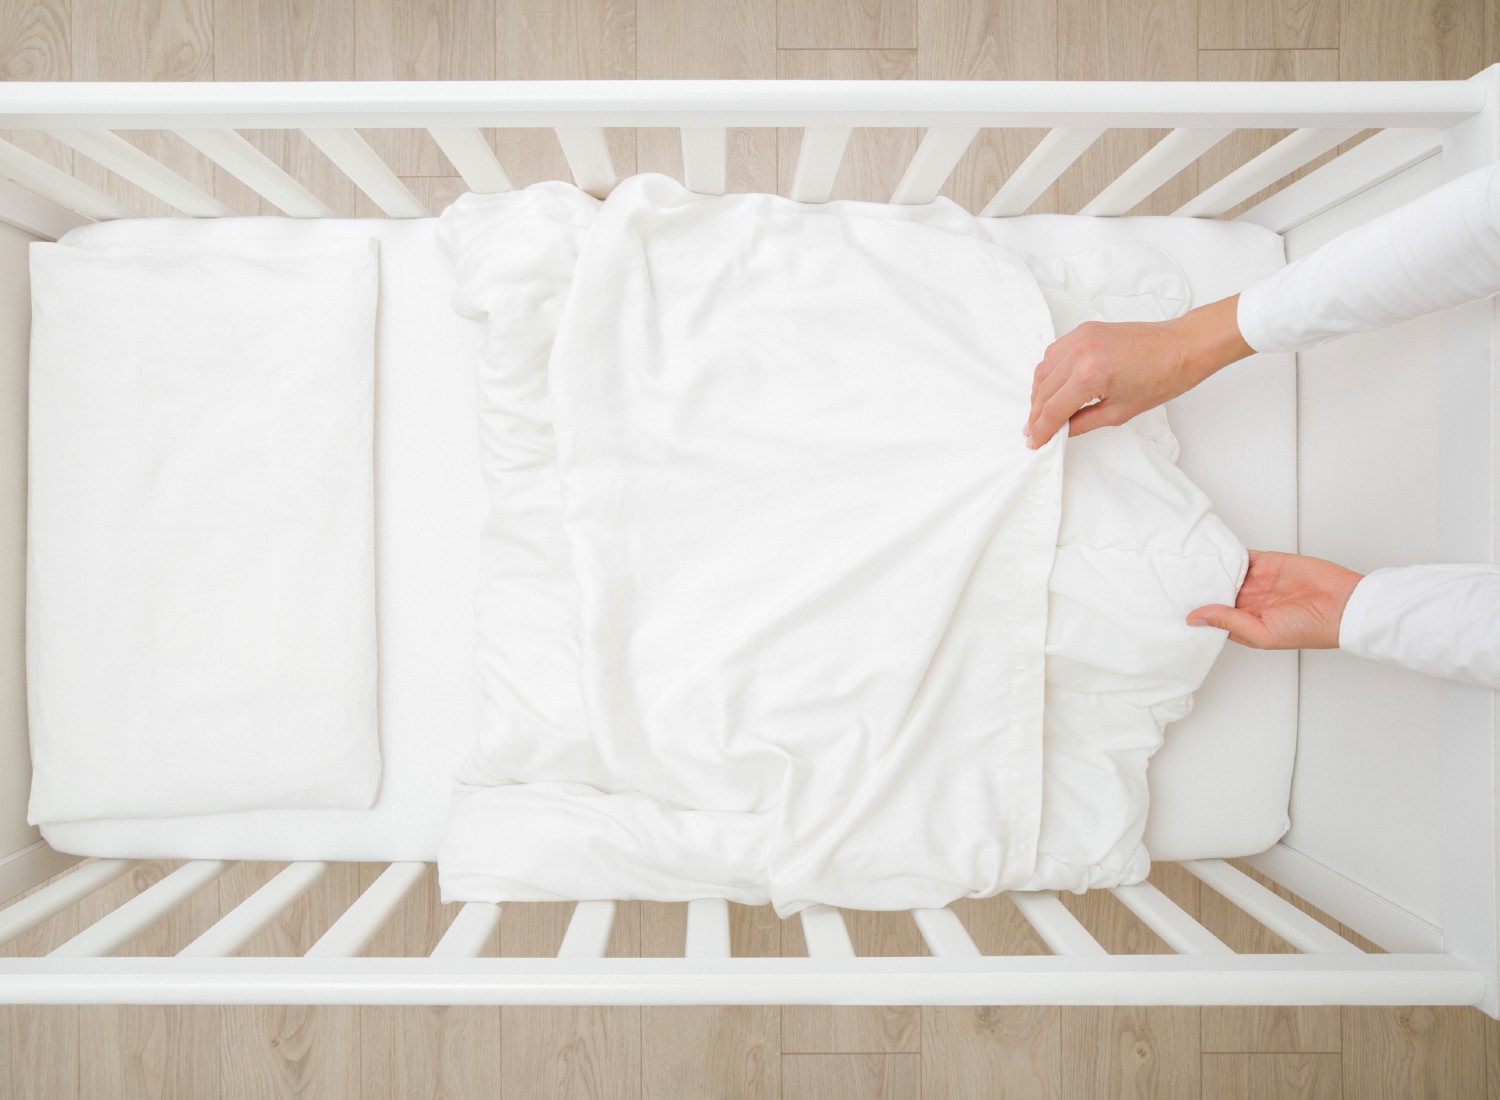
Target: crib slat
944	933
78	883
469	932
588	157
1160	163
255	170
705	157
53	183
1050	159
475	160
1378	158
827	937
818	162
112	931
1262	170
126	161
587	936
352	155
239	926
1280	916
941	149
1059	929
1167	919
707	929
350	934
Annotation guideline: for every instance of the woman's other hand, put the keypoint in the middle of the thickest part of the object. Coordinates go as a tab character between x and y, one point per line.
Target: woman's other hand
1287	602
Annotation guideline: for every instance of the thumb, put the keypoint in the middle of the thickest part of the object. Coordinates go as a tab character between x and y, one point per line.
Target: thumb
1243	627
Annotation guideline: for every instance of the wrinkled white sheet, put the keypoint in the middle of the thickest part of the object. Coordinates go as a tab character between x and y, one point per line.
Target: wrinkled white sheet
200	560
773	599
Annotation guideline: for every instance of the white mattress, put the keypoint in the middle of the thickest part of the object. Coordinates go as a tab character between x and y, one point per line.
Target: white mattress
1220	787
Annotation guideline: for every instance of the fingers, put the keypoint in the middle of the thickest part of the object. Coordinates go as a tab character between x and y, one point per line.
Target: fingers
1243	627
1103	415
1071	396
1050	377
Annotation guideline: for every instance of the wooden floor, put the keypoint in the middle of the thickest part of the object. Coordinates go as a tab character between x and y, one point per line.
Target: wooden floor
202	1053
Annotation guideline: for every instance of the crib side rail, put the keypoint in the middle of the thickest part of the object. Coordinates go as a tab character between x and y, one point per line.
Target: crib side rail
83	965
48	199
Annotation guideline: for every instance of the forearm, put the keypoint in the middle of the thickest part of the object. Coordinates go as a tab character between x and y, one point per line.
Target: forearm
1437	252
1208	339
1440	619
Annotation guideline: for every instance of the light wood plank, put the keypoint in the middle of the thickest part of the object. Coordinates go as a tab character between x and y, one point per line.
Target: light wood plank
848	25
1268	24
145	40
150	1050
570	1053
874	159
851	1076
679	39
1272	1077
286	40
562	40
421	40
691	1052
1412	40
989	40
1242	145
1125	40
1150	1053
1404	1052
992	1052
36	44
833	1029
39	1045
1263	1028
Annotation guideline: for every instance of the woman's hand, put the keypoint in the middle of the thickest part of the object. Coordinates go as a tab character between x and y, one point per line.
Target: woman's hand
1125	368
1287	602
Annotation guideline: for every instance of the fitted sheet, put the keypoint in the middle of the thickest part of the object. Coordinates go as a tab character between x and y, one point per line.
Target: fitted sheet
1220	785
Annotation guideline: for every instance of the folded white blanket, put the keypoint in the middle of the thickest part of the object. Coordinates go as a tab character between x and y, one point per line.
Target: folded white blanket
764	601
200	560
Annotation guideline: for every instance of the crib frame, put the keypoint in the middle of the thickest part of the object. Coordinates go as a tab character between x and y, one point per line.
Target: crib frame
1454	125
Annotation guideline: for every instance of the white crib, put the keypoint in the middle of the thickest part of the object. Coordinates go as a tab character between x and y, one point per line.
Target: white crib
1401	848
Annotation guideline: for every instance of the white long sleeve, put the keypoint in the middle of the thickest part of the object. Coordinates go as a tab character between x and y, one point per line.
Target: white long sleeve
1436	252
1439	619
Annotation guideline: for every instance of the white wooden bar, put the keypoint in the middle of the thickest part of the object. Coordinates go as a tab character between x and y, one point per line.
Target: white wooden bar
587	936
1280	916
990	980
352	155
149	174
1050	159
1168	920
470	153
944	933
115	929
707	929
1262	170
818	160
50	900
587	153
55	185
1059	929
1156	166
941	149
256	171
352	932
1377	158
705	159
470	931
174	105
826	934
239	926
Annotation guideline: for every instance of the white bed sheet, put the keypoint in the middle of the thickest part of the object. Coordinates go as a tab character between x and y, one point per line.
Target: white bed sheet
1219	787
